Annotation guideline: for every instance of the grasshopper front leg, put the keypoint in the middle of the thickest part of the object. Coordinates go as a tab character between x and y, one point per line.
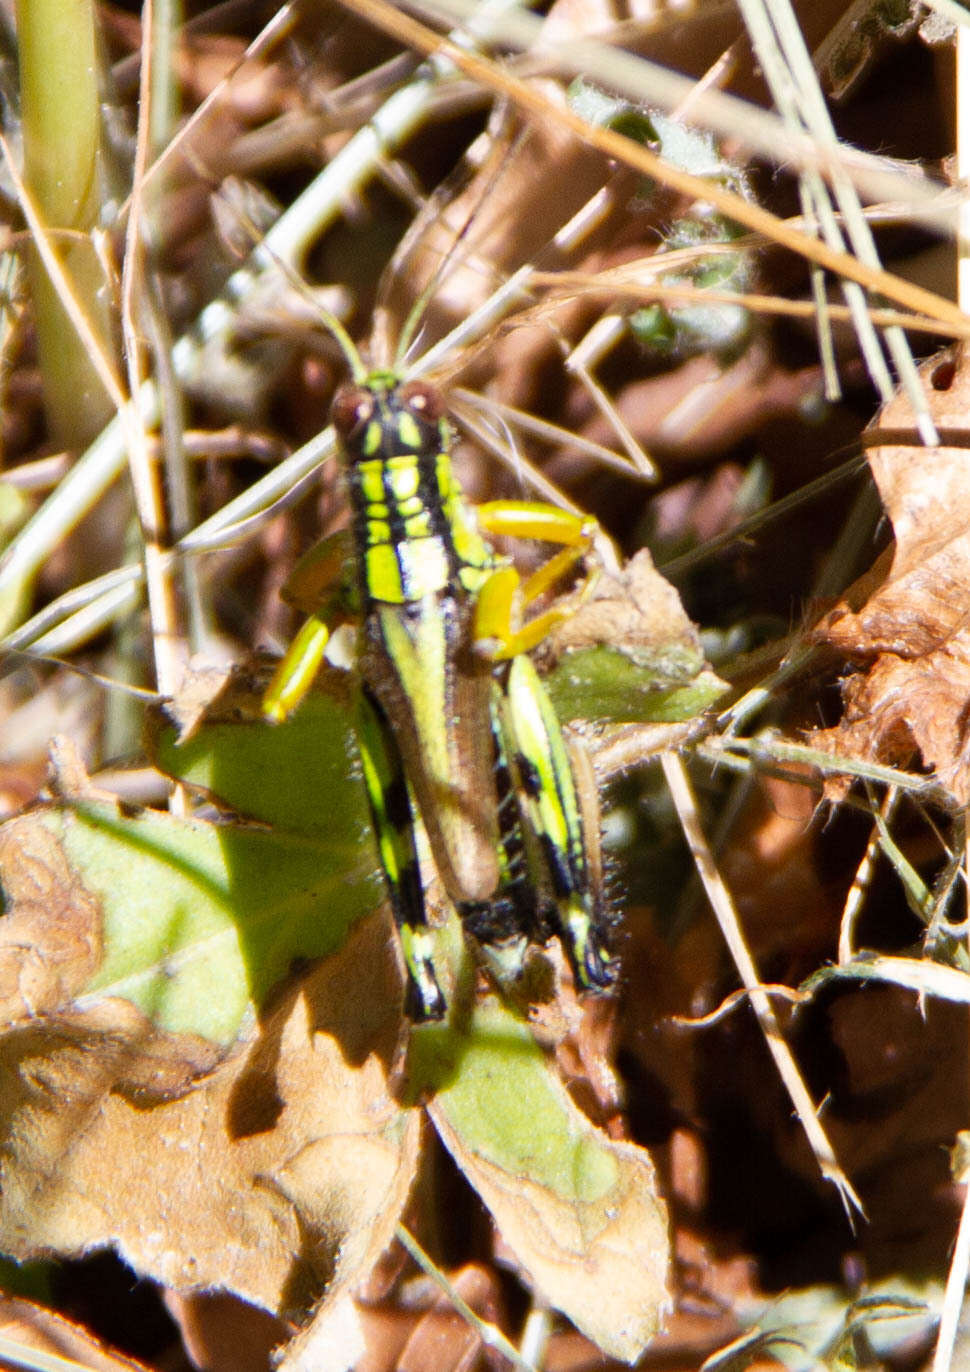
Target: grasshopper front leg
296	670
316	585
504	593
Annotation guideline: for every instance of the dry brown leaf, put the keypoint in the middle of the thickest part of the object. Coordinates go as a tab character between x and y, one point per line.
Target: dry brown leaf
913	633
280	1177
705	407
635	609
417	1326
50	937
221	1333
442	1337
334	1342
203	684
33	1327
898	1104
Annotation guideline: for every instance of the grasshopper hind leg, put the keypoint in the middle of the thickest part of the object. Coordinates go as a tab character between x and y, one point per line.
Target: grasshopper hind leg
554	816
393	817
514	911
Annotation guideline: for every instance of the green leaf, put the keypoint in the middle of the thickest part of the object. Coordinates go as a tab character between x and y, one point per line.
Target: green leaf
199	920
605	683
302	775
194	921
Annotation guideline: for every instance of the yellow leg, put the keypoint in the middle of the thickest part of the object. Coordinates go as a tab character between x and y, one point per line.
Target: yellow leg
534	519
319	571
294	675
550	572
505	595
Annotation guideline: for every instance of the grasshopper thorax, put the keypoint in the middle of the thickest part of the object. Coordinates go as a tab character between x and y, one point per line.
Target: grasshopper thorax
382	417
412	534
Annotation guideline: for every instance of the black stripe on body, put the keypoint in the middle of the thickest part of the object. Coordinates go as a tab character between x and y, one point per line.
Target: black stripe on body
513	912
562	877
397	804
566	867
429	493
528	775
425	457
393	818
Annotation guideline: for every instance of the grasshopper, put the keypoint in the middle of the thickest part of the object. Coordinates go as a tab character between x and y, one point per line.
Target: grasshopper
456	732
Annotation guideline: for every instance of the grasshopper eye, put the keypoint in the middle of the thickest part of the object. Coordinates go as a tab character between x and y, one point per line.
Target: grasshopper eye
423	401
353	407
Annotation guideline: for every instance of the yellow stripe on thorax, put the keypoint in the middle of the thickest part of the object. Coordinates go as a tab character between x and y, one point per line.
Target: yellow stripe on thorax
417	563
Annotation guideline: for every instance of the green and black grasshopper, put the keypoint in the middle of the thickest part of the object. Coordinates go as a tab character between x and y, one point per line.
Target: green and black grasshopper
456	731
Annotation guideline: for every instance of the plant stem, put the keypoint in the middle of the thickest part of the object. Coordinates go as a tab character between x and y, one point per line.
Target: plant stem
62	134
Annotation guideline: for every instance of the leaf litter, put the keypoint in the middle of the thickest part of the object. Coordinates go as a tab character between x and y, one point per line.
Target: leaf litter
183	1063
266	1149
910	635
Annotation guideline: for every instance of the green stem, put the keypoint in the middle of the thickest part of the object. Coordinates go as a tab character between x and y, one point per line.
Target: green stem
62	134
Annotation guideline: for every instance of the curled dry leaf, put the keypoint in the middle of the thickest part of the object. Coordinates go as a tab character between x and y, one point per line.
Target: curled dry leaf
635	608
912	635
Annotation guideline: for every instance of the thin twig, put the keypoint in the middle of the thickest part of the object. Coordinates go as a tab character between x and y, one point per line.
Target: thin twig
145	474
862	879
723	906
956	1285
490	1336
632	280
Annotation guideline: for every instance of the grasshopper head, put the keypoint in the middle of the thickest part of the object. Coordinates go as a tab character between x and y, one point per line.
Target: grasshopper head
383	417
